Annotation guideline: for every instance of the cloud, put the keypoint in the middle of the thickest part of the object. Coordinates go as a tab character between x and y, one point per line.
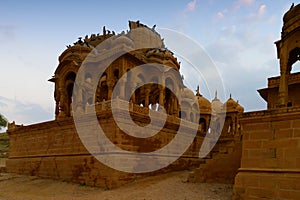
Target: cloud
240	54
23	113
240	3
220	15
228	31
245	2
262	9
191	6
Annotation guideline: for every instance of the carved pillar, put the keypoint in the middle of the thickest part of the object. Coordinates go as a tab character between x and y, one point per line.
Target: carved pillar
147	93
161	96
207	123
132	86
110	85
122	88
79	101
57	98
188	111
175	107
62	100
283	86
56	108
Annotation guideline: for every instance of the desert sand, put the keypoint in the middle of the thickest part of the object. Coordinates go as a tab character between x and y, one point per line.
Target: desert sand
162	187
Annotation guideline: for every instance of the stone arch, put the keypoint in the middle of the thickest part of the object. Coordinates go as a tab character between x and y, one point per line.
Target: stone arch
191	116
69	84
294	56
169	96
202	123
154	90
228	126
102	88
182	114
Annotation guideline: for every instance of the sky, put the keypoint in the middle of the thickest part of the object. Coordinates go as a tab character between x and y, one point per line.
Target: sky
238	35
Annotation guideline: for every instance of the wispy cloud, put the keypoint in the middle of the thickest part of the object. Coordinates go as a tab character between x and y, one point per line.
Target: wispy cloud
220	15
262	9
240	3
191	6
23	113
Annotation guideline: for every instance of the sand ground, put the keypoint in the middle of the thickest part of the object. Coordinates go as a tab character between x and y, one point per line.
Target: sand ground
171	186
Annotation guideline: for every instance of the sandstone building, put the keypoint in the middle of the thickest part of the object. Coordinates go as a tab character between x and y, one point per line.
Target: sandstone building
57	151
270	165
258	151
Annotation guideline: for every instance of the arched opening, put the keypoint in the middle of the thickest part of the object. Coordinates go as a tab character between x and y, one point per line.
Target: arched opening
295	67
169	96
192	117
139	92
102	89
69	81
116	74
182	115
228	124
202	123
294	56
154	91
90	101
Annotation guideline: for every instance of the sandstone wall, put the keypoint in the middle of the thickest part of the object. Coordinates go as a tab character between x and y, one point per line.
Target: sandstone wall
53	149
222	164
270	166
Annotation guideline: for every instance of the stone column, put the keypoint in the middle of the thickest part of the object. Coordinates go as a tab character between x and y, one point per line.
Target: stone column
132	86
175	107
110	85
161	96
283	85
56	98
147	93
79	101
62	100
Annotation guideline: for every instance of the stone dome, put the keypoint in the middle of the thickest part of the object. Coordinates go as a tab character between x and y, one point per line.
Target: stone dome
216	105
292	13
122	39
291	19
204	105
187	94
203	102
163	56
240	108
143	35
231	106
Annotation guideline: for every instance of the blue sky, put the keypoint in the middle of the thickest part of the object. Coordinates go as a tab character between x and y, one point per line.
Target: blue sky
238	35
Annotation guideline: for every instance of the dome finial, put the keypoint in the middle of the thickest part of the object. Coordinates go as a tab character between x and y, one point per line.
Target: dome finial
230	96
198	91
216	94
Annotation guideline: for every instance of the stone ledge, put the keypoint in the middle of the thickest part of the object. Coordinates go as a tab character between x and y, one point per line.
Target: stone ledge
267	170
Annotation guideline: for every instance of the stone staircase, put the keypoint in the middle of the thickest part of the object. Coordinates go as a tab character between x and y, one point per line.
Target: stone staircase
221	164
